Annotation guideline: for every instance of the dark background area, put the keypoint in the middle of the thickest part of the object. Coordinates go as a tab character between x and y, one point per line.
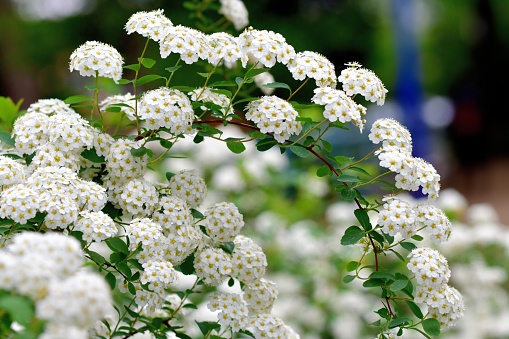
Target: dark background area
455	51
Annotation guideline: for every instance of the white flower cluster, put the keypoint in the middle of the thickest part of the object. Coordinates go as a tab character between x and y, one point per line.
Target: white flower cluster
274	115
223	222
188	186
396	155
264	47
97	59
223	47
235	11
357	80
48	269
138	197
11	172
432	273
339	106
249	261
189	43
213	265
95	226
313	65
406	219
232	310
169	108
270	326
153	25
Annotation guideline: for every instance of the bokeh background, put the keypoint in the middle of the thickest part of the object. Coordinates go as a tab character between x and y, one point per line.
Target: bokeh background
445	65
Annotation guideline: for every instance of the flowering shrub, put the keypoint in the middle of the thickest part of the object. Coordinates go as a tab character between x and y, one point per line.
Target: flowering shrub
94	247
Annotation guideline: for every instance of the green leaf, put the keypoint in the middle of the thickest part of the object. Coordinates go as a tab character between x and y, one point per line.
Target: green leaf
278	85
416	310
148	78
139	152
408	245
169	175
196	214
383	313
265	144
133	67
191	306
111	280
400	257
399	322
124	81
91	155
363	218
173	69
255	71
236	146
352	266
374	283
381	275
96	257
257	135
358	169
352	235
6	138
323	171
131	288
300	151
189	5
228	247
124	268
239	81
343	161
398	285
431	326
76	99
203	74
10	110
117	245
348	278
147	62
348	193
223	83
19	308
208	326
417	237
166	143
187	266
117	257
327	145
348	178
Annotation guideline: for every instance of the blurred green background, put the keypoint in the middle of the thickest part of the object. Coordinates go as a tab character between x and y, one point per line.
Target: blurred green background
443	62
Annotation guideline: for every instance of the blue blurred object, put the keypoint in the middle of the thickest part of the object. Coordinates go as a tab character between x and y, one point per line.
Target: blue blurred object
408	89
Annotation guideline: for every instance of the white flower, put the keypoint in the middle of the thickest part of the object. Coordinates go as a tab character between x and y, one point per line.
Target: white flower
225	47
249	261
436	222
223	222
270	326
265	47
95	226
138	197
208	95
357	80
260	296
429	266
444	303
165	107
392	134
96	57
339	106
189	186
29	132
236	12
232	309
153	25
397	217
19	203
143	231
274	115
190	43
212	265
49	107
121	163
11	172
315	66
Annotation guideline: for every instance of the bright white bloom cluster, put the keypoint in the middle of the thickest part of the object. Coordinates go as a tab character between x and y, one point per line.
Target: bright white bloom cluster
124	102
189	43
339	106
223	222
29	132
95	226
270	326
436	222
97	58
143	231
121	164
232	310
158	274
219	99
236	12
444	303
172	212
315	66
19	203
69	131
260	296
223	47
265	47
396	154
153	25
393	135
429	266
272	114
213	265
398	217
169	108
139	198
11	172
357	80
189	186
249	261
49	107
